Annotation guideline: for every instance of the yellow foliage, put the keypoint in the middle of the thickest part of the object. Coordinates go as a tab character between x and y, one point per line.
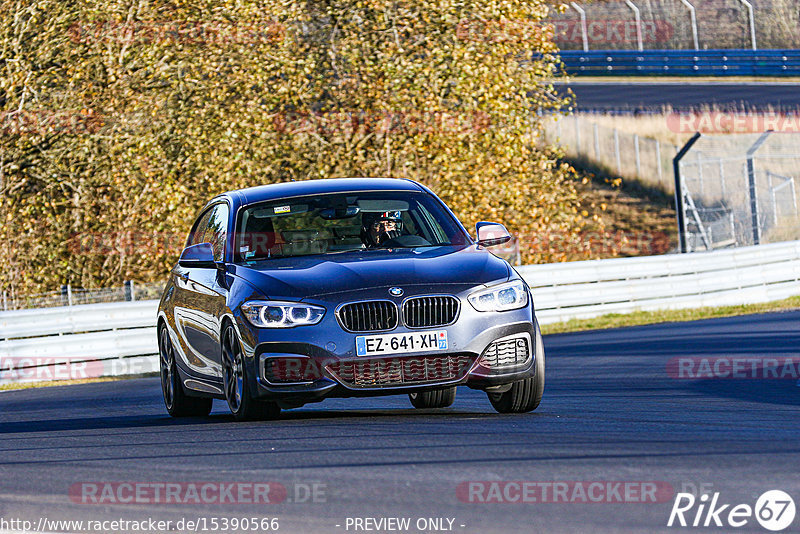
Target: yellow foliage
118	120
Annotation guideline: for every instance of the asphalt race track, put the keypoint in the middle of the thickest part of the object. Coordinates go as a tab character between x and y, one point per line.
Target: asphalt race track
611	412
684	96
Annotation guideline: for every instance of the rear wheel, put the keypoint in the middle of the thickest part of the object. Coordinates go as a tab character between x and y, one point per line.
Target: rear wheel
525	395
175	399
439	398
241	402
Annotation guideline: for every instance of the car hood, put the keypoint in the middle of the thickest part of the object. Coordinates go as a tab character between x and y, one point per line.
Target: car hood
314	276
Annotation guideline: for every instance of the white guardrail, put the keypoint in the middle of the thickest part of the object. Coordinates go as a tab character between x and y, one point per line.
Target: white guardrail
119	338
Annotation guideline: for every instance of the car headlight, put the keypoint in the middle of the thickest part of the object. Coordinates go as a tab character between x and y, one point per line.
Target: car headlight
508	296
271	314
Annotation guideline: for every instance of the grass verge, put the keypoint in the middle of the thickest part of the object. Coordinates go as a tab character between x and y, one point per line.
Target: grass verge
617	320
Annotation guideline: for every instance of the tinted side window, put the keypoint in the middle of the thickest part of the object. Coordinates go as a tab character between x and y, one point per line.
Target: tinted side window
217	230
198	230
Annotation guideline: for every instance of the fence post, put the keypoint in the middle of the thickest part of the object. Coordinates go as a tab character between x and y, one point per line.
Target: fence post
676	166
616	150
693	17
64	296
584	29
722	179
638	17
700	173
596	142
658	162
127	290
5	301
752	18
69	294
751	183
638	156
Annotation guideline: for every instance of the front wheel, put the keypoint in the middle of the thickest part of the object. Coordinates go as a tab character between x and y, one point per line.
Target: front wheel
178	403
241	402
439	398
525	395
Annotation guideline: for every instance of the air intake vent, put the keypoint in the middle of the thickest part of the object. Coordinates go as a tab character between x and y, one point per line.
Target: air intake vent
422	312
369	316
506	353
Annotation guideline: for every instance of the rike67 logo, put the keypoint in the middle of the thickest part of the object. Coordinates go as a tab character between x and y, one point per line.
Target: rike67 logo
774	510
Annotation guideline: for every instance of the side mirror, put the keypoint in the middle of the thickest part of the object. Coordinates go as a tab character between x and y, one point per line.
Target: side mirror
491	234
199	255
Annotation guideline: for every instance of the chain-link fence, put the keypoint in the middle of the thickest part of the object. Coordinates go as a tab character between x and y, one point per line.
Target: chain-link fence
69	296
740	190
645	159
677	24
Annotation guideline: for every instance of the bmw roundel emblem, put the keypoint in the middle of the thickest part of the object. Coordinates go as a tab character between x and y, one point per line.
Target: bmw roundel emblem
396	291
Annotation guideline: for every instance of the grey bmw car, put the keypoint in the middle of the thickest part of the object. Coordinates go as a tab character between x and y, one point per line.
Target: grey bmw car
291	293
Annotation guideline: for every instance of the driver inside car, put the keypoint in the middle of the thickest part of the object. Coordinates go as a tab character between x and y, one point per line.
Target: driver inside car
379	228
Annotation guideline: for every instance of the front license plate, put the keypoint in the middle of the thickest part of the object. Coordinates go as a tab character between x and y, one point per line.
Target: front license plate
401	343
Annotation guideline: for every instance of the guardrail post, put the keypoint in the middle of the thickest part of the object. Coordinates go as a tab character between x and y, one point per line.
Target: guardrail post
127	290
638	17
616	150
5	301
584	29
679	211
638	155
64	296
751	186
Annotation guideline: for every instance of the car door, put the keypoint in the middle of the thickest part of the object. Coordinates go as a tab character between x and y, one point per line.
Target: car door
201	296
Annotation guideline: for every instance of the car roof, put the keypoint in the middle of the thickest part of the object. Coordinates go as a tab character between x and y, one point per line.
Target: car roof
263	193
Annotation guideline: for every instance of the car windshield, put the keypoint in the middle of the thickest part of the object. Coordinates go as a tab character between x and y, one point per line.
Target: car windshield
344	222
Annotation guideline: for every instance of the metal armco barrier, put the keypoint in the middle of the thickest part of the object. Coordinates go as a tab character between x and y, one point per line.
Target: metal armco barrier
682	62
120	338
585	289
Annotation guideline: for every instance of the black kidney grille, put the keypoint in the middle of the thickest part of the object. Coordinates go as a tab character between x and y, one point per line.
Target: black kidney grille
369	316
422	312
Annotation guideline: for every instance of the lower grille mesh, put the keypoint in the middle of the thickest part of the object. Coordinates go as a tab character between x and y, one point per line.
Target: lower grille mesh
506	353
401	371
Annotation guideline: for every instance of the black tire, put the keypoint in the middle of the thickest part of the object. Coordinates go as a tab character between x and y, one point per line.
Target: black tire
243	405
525	395
177	402
439	398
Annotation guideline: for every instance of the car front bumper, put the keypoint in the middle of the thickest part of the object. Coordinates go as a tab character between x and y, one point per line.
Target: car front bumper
324	350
